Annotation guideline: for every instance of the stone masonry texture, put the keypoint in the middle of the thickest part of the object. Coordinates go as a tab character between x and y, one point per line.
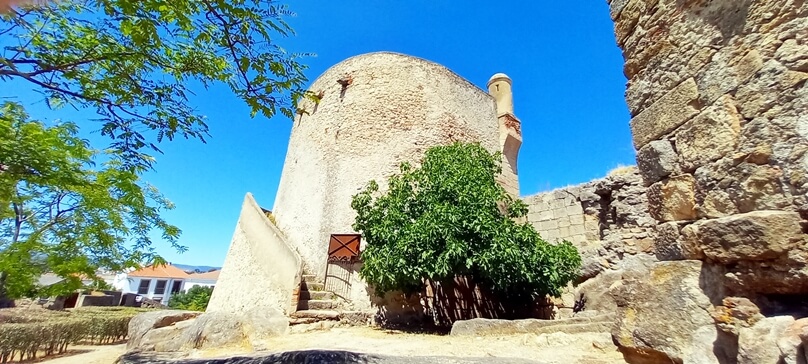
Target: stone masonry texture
724	83
719	103
606	219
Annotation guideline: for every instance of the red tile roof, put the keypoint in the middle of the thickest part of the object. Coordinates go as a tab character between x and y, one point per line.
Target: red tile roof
160	271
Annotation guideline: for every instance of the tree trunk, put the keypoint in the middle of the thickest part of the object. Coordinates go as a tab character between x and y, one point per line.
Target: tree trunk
5	301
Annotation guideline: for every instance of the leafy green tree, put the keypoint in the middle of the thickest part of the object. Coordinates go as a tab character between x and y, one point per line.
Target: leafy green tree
195	299
61	213
451	218
135	61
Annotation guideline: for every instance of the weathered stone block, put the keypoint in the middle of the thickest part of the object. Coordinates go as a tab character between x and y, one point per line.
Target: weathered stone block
574	209
666	114
760	188
671	291
615	7
165	339
736	313
545	215
728	69
549	235
793	55
577	230
758	235
792	347
691	249
548	225
709	136
141	324
656	161
215	330
673	199
758	344
717	203
668	243
762	91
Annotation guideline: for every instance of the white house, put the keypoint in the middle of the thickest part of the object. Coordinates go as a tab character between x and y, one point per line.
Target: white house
160	282
207	279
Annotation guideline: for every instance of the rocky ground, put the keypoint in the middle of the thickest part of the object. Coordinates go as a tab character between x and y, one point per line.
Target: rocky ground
369	345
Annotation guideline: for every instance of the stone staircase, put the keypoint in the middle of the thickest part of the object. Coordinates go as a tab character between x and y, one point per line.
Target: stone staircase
318	309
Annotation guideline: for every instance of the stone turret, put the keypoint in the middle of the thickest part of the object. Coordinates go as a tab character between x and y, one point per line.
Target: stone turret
510	130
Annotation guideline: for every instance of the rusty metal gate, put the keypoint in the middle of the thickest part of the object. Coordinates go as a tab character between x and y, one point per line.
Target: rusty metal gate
343	260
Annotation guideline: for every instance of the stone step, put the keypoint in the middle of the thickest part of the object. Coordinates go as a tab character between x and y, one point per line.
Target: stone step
320	325
313	320
316	314
316	295
482	327
576	328
302	321
311	278
311	286
317	304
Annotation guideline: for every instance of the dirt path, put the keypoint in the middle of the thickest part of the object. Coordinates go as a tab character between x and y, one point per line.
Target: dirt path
553	348
106	354
556	348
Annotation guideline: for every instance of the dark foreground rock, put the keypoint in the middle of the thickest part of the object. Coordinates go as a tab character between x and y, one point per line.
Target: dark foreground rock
315	356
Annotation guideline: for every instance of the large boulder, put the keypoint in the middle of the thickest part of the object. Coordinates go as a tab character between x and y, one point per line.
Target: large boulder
673	199
665	317
597	290
209	330
758	344
141	324
792	343
165	339
215	330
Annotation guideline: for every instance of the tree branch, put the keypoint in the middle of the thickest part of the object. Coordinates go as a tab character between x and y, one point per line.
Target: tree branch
230	45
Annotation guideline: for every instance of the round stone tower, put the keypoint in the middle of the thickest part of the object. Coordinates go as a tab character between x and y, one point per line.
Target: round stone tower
375	111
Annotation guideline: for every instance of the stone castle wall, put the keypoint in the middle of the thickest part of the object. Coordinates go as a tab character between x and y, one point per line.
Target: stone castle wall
719	104
606	219
718	95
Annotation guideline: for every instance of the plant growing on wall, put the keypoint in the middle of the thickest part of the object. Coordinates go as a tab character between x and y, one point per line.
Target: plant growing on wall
451	218
195	299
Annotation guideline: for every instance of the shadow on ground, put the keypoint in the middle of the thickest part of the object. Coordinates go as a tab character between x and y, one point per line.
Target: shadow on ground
313	357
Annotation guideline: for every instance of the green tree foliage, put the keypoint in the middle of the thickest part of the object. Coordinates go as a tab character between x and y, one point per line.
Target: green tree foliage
135	61
450	217
61	213
195	299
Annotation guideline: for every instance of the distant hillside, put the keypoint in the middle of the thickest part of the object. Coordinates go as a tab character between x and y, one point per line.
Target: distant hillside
195	268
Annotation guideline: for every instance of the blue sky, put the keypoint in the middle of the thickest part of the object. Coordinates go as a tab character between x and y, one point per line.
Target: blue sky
562	57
